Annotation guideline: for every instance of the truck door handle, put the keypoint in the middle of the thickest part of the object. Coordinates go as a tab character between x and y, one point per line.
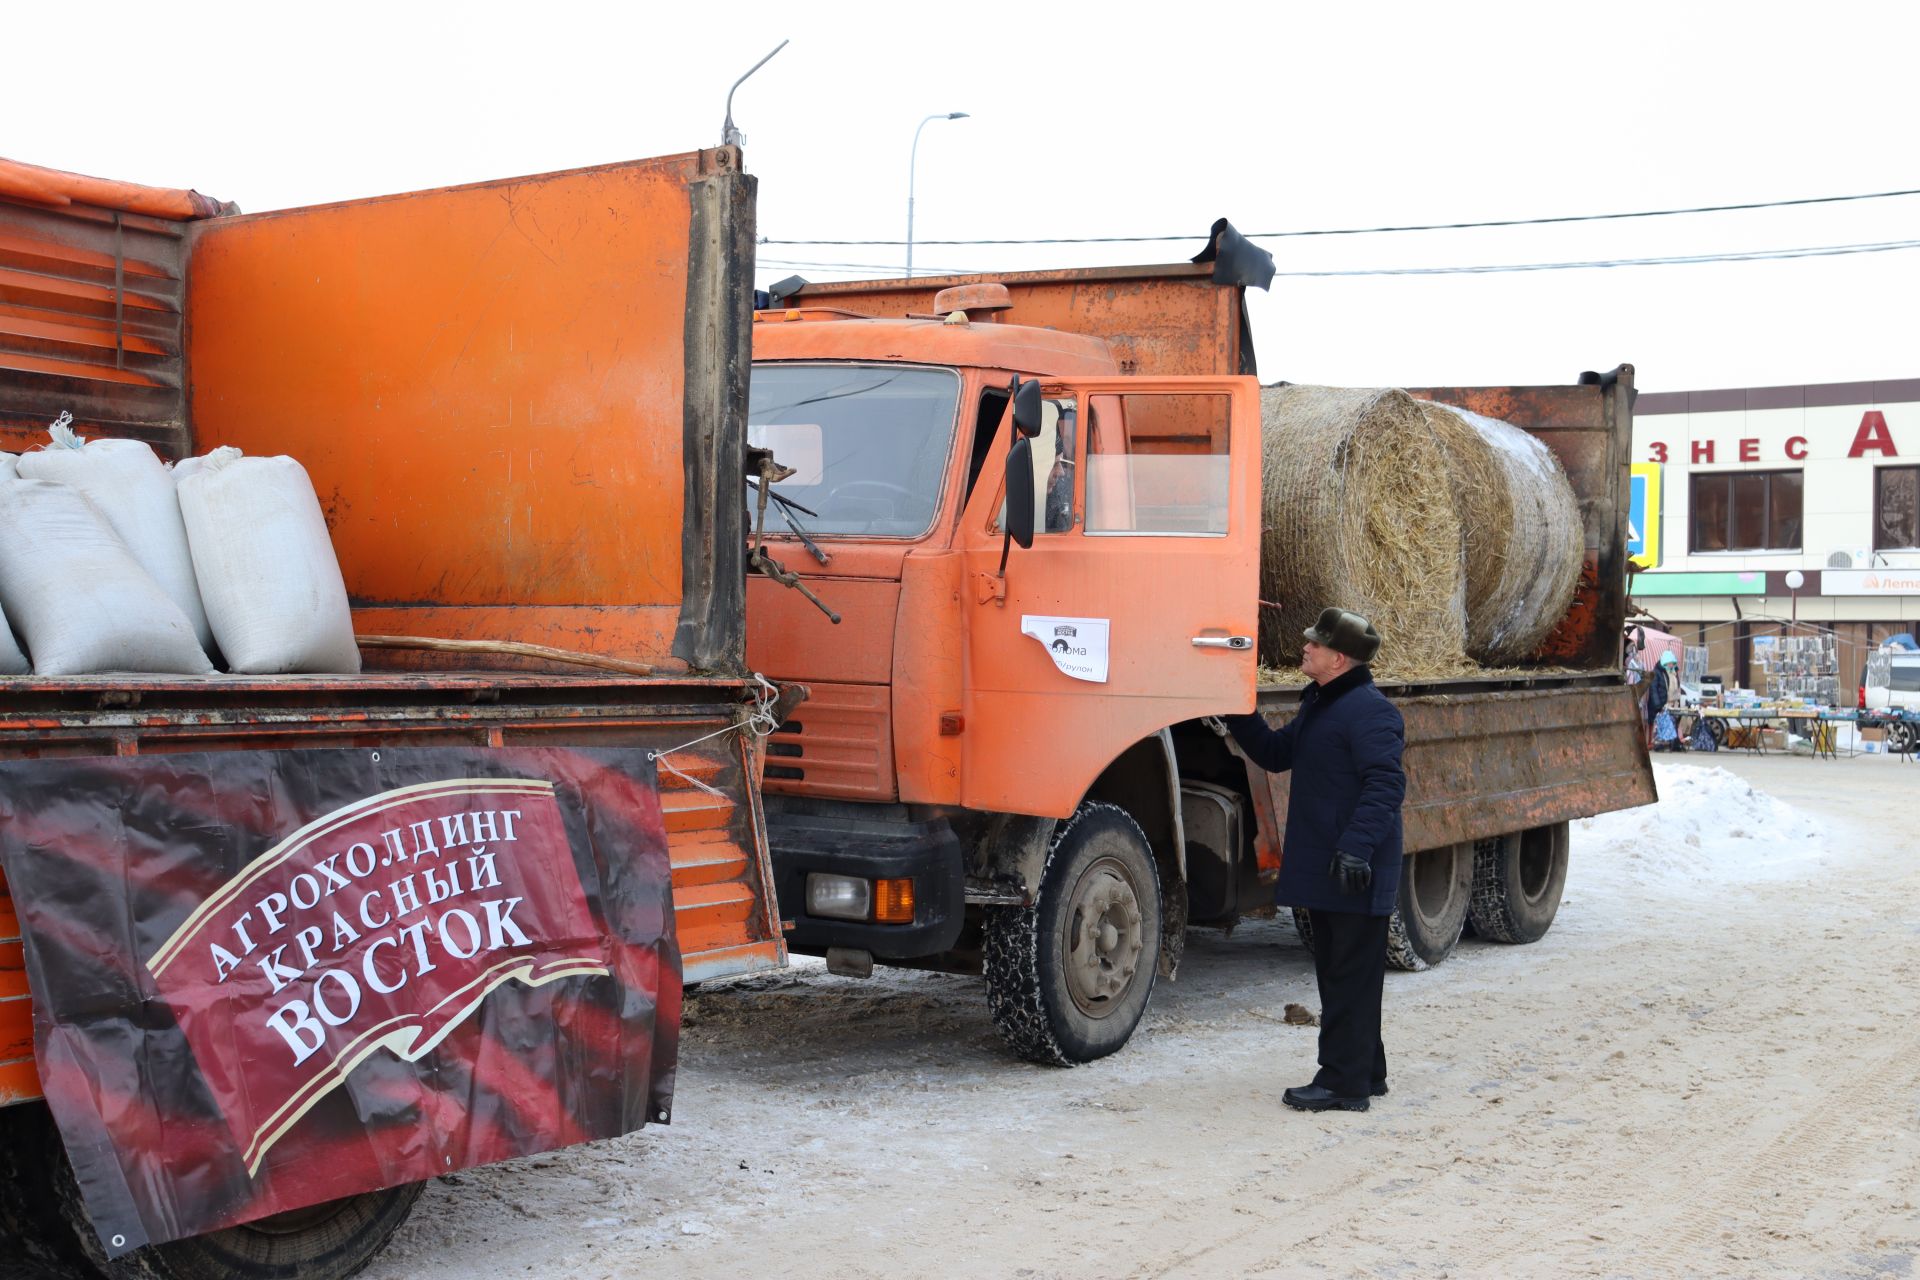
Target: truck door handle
1223	642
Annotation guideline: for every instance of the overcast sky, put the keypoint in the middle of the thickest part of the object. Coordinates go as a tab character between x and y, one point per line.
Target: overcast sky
1118	120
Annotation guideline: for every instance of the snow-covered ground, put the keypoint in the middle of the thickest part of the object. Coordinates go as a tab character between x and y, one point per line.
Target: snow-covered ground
1710	1067
1711	827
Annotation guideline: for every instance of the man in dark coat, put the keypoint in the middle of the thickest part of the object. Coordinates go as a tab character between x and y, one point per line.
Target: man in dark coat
1341	856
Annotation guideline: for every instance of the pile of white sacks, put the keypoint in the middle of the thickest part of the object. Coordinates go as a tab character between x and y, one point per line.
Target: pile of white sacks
112	561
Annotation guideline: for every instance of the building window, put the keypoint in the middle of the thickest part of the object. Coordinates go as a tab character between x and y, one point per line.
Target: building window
1746	511
1896	508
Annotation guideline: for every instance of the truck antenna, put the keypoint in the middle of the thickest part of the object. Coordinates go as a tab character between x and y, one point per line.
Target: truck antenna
730	136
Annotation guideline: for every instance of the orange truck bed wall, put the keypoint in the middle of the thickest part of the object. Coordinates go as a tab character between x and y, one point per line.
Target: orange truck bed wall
1166	321
17	1077
486	385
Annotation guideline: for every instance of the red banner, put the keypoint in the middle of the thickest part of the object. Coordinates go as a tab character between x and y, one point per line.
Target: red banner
326	972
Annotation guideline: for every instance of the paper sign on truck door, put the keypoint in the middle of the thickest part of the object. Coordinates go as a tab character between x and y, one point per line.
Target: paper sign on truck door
263	980
1078	646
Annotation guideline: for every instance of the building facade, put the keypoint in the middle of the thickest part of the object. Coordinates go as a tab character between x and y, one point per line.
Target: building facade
1768	512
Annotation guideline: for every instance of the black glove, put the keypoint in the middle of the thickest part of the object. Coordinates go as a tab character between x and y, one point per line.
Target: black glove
1352	874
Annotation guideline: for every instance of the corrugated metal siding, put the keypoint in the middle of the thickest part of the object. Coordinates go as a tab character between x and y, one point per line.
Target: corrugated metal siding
839	743
90	323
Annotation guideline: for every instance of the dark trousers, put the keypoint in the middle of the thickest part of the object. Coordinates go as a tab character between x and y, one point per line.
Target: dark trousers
1350	962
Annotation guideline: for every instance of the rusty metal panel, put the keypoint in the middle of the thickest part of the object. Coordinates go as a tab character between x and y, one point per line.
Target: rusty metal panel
90	323
718	348
1589	427
1486	764
1159	320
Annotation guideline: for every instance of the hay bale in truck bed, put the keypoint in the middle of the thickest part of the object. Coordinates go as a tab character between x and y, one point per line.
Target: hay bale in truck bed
1358	514
1521	528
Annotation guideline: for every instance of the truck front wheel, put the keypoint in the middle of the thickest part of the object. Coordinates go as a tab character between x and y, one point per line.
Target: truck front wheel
1517	881
1068	977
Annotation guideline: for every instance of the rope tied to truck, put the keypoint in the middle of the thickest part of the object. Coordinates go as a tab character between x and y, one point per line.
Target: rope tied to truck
761	722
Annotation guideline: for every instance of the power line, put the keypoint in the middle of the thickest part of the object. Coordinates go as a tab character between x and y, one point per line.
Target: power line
1430	226
1755	255
1758	255
868	266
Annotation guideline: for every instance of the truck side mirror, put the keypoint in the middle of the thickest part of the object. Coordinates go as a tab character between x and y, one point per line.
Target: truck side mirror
1020	512
1026	408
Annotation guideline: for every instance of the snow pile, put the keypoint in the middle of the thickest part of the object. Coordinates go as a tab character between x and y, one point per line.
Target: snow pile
1709	827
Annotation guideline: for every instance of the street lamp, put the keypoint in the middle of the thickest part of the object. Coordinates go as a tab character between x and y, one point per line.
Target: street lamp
1795	581
913	159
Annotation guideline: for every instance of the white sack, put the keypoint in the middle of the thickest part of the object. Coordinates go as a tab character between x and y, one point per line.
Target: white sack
12	661
9	465
265	562
80	599
131	487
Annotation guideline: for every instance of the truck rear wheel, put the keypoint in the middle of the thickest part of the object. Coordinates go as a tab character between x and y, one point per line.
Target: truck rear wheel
1436	890
1068	977
1517	882
323	1242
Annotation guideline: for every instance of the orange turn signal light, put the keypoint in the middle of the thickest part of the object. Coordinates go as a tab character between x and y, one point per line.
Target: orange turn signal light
893	901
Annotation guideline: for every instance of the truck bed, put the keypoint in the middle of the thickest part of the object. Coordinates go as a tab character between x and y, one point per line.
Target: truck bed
715	841
1488	756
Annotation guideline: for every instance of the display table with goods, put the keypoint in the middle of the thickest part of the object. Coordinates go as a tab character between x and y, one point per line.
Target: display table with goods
1746	728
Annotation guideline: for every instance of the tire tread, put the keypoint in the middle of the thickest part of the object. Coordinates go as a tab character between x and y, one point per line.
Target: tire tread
1012	955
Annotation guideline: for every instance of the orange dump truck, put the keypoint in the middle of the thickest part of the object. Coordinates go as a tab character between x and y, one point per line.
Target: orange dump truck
1003	765
521	404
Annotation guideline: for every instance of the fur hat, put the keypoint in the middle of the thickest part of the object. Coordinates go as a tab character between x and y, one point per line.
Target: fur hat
1347	633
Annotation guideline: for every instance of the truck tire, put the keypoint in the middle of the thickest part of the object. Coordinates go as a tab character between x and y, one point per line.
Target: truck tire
1303	925
1068	977
1436	890
1517	882
33	1233
323	1242
1899	738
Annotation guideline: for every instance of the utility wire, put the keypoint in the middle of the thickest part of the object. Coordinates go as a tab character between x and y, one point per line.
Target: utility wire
1758	255
1430	226
1755	255
868	266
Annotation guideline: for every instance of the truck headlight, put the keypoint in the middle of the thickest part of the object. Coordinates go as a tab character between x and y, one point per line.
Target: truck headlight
839	897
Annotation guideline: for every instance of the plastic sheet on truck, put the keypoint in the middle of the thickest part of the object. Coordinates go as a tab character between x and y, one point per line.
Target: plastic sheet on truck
265	980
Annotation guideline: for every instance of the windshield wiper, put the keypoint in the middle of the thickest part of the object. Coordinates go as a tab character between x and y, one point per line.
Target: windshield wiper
786	507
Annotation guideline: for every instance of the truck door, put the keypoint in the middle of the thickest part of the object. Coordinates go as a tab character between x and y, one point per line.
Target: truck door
1136	606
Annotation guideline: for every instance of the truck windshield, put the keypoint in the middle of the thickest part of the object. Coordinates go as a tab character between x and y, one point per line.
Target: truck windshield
868	443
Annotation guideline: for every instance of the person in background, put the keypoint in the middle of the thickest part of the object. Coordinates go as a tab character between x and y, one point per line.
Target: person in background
1343	853
1659	689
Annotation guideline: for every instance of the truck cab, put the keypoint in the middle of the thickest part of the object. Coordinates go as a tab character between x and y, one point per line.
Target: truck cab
974	697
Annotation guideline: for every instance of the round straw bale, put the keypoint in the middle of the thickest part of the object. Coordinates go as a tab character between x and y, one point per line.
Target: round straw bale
1358	516
1521	528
